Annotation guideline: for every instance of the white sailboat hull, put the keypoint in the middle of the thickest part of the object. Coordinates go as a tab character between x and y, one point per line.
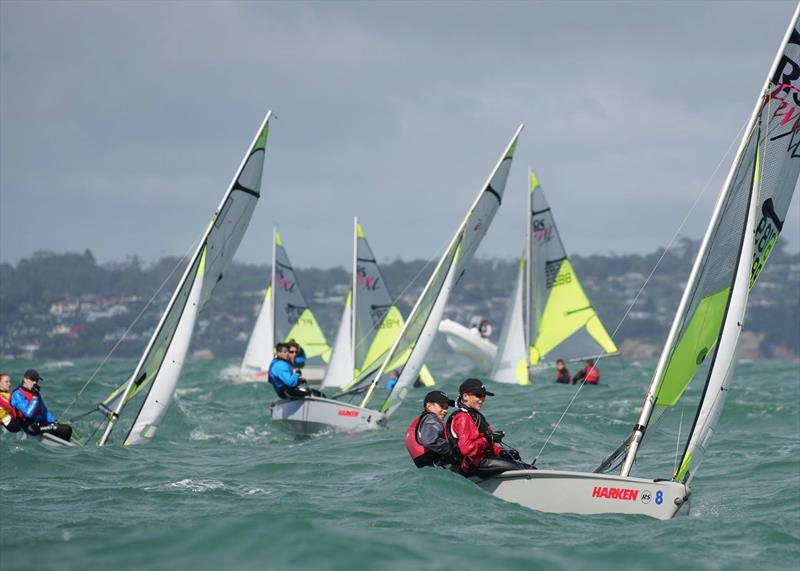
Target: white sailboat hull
316	414
46	439
464	342
554	491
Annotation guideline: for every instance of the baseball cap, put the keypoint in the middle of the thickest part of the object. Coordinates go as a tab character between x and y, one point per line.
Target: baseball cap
32	374
474	387
439	398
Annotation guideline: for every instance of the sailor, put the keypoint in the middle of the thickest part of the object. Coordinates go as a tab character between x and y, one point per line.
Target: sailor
426	441
590	374
34	416
285	379
9	416
475	446
296	354
485	329
392	381
562	373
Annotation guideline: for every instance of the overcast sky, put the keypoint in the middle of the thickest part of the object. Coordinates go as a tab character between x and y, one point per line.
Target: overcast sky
121	123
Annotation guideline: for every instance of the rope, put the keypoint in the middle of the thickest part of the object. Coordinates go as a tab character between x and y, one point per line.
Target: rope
601	356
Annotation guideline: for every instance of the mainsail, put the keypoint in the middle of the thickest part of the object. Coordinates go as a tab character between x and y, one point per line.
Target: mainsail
550	313
159	368
418	333
370	321
745	225
284	315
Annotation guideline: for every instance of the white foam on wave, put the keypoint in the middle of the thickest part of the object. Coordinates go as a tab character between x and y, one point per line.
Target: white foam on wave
197	486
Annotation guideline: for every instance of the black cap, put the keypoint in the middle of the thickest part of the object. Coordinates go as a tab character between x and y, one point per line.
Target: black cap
474	387
32	374
439	398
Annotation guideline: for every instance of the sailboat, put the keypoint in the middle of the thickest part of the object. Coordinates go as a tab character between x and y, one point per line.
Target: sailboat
747	219
284	315
549	313
370	320
159	368
341	413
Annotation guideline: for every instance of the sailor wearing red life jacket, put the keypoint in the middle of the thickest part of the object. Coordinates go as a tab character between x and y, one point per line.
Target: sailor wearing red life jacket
426	441
590	374
9	416
473	442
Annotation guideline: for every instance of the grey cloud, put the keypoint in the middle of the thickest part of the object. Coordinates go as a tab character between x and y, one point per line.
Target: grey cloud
123	122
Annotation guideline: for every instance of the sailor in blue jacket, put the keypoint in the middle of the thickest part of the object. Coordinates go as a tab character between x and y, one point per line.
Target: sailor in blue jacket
30	404
285	379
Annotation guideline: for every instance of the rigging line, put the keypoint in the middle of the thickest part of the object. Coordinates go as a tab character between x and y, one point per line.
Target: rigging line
678	444
131	326
601	356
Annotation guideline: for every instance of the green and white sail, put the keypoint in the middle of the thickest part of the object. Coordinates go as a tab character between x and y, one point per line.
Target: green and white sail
292	315
414	341
159	368
550	314
747	219
370	322
284	315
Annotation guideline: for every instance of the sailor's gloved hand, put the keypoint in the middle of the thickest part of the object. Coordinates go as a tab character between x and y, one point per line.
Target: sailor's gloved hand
513	454
496	436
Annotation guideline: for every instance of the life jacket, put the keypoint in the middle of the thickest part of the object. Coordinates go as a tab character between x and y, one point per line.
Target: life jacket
29	396
452	438
419	454
5	404
563	376
275	381
591	374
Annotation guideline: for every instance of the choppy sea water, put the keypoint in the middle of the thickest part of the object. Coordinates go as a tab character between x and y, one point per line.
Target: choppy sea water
221	488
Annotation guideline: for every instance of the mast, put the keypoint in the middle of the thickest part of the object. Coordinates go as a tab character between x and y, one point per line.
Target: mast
272	286
527	293
650	398
354	289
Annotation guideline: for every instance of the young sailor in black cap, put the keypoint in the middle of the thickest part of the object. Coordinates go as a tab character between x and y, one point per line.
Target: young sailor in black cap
475	446
425	438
